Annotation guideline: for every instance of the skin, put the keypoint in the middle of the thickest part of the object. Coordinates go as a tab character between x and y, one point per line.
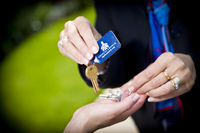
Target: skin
104	113
153	82
81	45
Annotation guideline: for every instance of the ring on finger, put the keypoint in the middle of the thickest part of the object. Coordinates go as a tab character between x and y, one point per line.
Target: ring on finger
167	76
176	82
60	42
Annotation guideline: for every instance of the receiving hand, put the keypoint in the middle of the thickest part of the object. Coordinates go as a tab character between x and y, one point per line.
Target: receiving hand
153	82
104	113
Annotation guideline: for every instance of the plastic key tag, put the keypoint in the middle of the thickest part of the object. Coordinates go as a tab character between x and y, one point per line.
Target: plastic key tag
108	45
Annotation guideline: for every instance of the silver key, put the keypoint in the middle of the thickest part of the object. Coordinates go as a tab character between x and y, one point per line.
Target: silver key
115	95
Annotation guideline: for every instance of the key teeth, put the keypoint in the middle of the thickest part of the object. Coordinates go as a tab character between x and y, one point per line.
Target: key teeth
115	95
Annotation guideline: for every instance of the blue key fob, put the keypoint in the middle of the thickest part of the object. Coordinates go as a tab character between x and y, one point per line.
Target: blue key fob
108	45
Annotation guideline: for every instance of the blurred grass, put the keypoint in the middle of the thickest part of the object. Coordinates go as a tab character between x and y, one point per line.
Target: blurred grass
39	88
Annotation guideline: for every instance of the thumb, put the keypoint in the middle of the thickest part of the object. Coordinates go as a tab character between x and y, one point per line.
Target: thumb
128	103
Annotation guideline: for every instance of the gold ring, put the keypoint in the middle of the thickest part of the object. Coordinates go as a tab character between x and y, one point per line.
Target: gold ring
176	82
166	75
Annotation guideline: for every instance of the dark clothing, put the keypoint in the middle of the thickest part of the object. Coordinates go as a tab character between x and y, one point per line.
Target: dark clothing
129	21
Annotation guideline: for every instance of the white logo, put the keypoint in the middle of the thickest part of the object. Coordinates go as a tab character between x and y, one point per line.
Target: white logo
104	46
96	60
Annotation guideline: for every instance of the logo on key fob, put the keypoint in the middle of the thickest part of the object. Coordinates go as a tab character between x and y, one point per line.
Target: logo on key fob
108	45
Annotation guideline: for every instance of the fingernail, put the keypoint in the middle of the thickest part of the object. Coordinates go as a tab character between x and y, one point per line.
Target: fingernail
89	56
147	93
131	89
136	97
124	95
94	49
85	61
150	99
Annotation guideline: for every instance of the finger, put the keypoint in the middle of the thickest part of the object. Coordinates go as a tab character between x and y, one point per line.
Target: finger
87	35
75	38
125	95
70	49
134	108
62	34
183	89
67	54
150	72
176	93
127	103
176	69
165	89
156	82
125	88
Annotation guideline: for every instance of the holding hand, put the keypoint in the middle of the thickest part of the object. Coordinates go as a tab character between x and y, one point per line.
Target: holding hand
157	80
78	40
104	113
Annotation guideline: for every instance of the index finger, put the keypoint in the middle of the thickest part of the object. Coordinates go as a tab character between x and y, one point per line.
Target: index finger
88	36
88	33
149	73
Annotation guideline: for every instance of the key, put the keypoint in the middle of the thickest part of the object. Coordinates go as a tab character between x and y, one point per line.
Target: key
115	95
91	73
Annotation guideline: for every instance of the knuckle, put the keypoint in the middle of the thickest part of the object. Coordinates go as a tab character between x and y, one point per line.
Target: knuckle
65	43
78	56
182	65
188	72
83	27
192	82
135	82
168	89
71	34
67	24
168	55
129	106
187	89
155	83
61	34
83	49
90	42
79	18
148	75
189	85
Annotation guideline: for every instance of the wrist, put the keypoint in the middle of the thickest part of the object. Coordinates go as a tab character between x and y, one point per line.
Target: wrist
80	124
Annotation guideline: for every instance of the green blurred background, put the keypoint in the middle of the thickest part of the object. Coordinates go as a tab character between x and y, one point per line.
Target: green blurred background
39	87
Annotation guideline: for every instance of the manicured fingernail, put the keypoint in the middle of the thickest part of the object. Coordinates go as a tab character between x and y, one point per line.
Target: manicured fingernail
94	49
89	56
131	89
136	97
147	93
85	61
124	95
150	99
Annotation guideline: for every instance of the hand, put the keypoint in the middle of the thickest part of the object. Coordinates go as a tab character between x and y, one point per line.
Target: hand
154	83
81	42
104	113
